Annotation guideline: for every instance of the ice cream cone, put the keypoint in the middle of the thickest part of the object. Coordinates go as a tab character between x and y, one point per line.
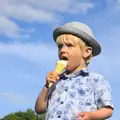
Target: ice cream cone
60	67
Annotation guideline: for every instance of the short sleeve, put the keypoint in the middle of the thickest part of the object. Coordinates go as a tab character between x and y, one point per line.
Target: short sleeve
102	93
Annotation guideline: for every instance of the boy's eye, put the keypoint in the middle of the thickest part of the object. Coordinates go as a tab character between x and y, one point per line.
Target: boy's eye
69	45
60	46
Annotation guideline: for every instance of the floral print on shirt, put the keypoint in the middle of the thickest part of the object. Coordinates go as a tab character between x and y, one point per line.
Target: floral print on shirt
79	92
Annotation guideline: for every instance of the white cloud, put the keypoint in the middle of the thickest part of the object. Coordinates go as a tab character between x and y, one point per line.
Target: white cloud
67	6
26	12
13	97
83	7
36	53
10	28
52	5
35	11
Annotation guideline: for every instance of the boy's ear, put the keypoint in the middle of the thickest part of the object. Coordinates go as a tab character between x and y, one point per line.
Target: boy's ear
87	52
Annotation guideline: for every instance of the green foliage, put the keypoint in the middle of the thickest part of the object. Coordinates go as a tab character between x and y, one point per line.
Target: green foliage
29	114
41	116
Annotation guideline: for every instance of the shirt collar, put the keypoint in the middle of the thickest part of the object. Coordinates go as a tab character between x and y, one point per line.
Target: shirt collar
84	72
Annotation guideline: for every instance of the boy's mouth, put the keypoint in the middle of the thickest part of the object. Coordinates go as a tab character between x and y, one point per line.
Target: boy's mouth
64	58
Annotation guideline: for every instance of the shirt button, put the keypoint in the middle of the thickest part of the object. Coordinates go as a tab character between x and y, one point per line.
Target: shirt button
66	90
61	102
59	116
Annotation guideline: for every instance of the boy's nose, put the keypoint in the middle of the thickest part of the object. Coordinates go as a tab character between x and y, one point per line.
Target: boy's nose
64	48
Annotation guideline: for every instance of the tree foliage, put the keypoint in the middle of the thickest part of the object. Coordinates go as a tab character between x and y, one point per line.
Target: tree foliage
29	114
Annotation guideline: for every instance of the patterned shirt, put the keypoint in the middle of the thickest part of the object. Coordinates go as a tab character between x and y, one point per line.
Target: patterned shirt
78	92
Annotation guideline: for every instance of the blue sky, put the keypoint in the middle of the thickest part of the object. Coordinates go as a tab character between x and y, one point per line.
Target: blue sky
28	52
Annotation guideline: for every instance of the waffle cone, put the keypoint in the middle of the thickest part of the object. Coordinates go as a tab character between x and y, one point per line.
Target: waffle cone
60	67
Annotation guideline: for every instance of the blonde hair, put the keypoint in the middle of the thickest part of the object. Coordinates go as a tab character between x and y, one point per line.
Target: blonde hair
75	40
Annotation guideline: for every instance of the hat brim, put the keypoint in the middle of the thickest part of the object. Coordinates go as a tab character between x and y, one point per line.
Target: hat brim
84	36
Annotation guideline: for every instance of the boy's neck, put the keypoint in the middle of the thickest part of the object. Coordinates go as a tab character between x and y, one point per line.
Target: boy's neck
77	69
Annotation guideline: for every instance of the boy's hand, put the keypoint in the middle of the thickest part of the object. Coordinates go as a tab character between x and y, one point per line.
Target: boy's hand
100	114
52	77
84	116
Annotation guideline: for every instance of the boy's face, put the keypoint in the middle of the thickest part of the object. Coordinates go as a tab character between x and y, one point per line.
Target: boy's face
71	51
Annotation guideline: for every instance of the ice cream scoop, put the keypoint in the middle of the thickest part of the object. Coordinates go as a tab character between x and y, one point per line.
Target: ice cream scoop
60	67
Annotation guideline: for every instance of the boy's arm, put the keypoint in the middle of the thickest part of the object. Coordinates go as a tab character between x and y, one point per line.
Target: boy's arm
41	102
100	114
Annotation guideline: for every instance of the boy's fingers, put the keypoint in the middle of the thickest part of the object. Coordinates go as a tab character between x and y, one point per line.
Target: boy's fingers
80	114
56	75
52	77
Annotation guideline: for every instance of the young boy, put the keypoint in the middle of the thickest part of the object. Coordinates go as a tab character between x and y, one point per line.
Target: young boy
76	93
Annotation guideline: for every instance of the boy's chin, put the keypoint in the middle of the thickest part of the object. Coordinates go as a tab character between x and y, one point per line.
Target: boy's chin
69	69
